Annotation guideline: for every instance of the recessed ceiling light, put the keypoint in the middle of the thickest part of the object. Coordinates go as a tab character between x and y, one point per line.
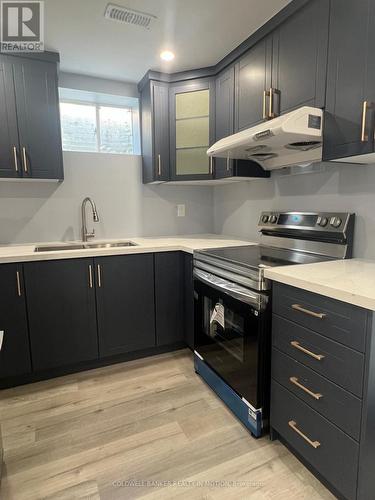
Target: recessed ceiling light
167	55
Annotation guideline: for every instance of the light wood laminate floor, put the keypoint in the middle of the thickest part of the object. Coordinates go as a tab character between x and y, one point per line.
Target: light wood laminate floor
132	431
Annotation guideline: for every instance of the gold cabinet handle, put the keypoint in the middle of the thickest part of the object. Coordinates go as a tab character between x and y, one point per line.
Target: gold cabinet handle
301	309
24	157
18	281
298	346
365	106
159	165
265	94
364	137
99	270
15	159
90	276
293	425
211	165
271	95
294	380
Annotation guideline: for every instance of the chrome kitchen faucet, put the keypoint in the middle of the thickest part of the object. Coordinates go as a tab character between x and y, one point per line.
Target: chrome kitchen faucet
95	217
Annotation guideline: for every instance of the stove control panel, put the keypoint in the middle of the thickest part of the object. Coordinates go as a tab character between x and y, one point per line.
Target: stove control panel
308	221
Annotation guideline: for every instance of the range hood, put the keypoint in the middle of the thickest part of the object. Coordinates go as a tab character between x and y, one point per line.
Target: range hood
291	139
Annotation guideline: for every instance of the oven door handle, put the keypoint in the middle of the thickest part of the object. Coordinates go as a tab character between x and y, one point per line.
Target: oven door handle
235	291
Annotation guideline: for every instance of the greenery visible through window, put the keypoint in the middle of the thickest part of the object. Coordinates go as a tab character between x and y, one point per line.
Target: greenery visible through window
97	128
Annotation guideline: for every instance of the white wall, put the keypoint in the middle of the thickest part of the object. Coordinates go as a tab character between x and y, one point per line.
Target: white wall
35	211
340	188
91	84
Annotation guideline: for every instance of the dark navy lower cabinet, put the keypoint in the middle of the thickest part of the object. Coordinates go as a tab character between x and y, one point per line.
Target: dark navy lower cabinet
61	311
14	335
322	400
67	315
169	295
125	303
189	300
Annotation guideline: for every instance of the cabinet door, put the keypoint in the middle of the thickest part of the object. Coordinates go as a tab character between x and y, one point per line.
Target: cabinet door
61	308
15	346
169	282
349	53
160	106
253	78
189	300
192	129
9	146
224	118
38	118
299	62
155	132
125	303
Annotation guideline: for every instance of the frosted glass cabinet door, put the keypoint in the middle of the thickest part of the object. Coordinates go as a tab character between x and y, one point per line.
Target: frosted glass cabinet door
191	119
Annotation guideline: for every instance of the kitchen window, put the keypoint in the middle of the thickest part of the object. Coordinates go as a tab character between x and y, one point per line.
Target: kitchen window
99	123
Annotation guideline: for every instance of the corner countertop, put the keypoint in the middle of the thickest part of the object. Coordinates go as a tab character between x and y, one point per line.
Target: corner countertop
351	280
188	243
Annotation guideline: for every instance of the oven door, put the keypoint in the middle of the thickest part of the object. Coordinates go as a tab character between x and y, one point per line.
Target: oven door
231	333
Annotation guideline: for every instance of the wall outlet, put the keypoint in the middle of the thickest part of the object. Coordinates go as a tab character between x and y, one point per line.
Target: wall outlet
180	210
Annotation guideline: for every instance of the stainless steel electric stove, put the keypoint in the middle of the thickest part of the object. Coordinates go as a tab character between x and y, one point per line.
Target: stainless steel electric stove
233	303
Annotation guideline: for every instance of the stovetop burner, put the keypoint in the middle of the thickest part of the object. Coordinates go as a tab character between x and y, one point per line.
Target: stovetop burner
258	256
287	238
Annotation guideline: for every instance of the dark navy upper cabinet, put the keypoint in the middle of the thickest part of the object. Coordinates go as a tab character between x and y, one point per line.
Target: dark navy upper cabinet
348	121
192	129
62	313
30	138
125	303
253	80
155	131
14	335
299	61
224	116
38	116
10	165
284	70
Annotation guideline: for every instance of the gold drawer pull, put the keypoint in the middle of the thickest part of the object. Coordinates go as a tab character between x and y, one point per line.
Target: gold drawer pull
293	425
294	380
18	280
91	284
301	309
15	159
298	346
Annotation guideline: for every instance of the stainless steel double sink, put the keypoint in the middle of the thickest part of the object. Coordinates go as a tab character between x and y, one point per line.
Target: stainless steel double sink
61	247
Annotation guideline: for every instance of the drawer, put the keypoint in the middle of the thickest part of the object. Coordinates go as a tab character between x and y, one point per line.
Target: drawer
336	362
337	320
331	452
339	406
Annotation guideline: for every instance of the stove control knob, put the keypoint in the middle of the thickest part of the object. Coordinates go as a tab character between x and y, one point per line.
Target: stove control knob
335	222
273	219
265	218
322	221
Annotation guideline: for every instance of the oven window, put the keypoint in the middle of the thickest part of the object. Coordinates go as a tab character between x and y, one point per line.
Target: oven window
225	327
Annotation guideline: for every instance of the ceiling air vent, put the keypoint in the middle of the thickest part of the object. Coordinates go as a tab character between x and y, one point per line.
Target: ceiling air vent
130	16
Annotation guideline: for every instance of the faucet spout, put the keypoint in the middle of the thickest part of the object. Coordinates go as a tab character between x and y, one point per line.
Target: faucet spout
95	217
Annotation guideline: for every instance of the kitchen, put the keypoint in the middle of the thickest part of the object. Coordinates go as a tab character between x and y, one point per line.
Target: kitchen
187	263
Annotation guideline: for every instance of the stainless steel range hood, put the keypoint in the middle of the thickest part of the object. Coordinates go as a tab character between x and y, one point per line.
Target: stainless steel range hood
291	139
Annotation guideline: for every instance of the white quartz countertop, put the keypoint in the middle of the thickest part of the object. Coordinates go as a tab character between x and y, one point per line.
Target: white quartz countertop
351	280
189	243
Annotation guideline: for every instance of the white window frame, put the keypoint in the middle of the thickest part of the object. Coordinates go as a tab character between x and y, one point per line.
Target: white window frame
107	102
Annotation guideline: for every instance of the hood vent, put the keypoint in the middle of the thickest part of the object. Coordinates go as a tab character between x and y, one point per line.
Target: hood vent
291	139
129	16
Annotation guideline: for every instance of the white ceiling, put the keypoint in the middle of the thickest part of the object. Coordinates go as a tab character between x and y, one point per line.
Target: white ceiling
200	32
